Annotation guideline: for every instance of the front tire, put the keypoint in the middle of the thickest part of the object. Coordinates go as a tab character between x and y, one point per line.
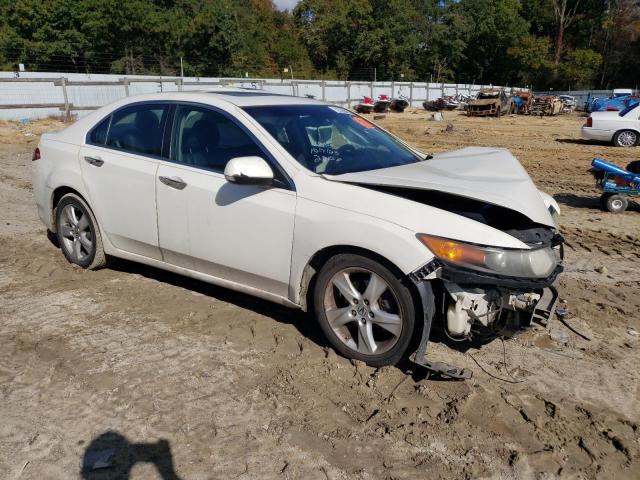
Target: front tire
364	309
614	203
78	233
625	138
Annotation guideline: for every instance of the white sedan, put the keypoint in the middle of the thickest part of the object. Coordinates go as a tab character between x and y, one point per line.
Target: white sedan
620	127
309	205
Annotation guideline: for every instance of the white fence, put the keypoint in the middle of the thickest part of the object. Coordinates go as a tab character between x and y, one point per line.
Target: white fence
37	95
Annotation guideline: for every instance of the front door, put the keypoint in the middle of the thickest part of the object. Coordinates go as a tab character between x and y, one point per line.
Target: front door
119	164
240	233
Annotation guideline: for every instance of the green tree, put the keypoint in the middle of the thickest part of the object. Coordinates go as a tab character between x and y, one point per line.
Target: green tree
579	68
531	62
497	26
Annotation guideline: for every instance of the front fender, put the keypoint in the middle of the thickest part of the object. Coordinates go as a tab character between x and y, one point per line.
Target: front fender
340	227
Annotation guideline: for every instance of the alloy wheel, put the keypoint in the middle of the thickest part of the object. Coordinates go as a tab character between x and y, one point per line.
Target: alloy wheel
627	139
75	230
363	311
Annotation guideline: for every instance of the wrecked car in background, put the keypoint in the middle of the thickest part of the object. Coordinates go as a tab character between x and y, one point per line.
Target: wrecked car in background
311	206
569	103
548	105
522	100
490	102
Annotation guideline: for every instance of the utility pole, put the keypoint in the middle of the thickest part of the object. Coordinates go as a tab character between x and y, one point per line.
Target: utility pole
375	74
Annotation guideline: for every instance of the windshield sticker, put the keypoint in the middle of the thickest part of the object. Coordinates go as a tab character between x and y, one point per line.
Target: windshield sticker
363	122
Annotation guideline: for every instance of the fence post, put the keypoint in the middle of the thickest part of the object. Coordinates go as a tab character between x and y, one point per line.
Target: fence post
371	87
324	96
411	95
442	90
393	88
348	93
125	82
67	111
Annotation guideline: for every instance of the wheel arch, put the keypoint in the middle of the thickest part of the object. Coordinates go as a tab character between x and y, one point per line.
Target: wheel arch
626	129
309	273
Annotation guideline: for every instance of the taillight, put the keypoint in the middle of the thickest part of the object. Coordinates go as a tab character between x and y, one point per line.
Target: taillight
36	155
590	122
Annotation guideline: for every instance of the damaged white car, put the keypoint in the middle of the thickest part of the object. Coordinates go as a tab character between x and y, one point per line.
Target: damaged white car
309	205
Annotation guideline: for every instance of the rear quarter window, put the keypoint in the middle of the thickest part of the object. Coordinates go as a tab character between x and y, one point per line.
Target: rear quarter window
98	136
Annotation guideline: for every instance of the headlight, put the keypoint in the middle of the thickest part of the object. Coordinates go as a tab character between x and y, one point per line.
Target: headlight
535	263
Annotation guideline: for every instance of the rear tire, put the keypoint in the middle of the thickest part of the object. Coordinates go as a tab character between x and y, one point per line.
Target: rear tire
614	203
625	138
364	309
78	233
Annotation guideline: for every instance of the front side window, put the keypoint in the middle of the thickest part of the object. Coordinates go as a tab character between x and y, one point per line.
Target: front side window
207	139
138	129
331	140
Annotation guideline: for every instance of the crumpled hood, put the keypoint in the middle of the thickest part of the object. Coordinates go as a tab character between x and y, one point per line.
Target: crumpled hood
492	175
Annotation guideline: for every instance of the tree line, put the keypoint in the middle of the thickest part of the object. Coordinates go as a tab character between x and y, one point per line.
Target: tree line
561	44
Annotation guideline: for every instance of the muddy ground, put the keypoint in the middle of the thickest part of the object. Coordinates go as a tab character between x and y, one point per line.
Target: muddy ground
187	379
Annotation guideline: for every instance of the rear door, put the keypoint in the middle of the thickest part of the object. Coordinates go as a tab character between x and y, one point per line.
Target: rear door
119	164
240	233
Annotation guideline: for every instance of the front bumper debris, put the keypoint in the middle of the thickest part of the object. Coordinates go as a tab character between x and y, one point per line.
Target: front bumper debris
482	299
455	274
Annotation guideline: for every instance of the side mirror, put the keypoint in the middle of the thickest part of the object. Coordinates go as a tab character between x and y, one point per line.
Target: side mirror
248	171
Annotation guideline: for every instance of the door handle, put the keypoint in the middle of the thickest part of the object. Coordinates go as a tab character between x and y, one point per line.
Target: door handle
96	161
173	182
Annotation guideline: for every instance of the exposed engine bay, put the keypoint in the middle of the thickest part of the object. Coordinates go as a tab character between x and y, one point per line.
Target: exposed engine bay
486	305
495	311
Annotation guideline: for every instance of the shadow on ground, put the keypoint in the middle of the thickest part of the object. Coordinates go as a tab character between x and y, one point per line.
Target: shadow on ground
302	321
592	203
576	201
581	141
111	456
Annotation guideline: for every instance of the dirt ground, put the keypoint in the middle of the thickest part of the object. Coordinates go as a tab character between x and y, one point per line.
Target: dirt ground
187	380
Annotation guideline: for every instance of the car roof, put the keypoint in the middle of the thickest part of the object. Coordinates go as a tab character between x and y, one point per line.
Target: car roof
241	97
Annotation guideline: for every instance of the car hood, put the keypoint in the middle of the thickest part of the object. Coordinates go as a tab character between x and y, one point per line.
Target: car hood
488	174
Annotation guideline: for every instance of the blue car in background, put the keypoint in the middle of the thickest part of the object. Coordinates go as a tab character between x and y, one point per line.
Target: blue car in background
621	99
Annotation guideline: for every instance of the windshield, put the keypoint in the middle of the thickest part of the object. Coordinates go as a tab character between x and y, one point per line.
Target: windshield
485	95
331	140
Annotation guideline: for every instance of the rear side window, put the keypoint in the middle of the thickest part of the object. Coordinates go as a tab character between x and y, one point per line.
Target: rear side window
138	129
207	139
98	135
